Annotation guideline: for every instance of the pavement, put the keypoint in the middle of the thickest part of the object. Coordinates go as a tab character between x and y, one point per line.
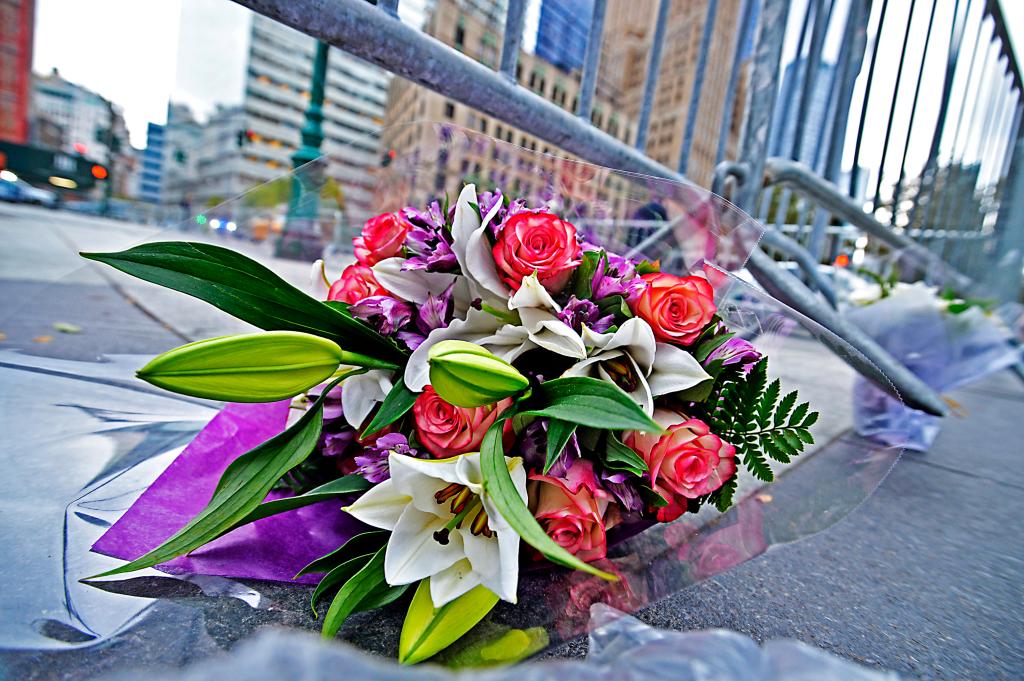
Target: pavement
925	578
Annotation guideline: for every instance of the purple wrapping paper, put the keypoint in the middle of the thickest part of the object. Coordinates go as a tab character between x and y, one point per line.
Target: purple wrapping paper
273	548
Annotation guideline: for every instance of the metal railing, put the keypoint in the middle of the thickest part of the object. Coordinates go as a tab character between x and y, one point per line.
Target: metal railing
908	201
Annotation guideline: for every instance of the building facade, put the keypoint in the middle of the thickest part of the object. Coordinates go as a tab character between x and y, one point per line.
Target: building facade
180	180
562	32
151	170
17	21
467	28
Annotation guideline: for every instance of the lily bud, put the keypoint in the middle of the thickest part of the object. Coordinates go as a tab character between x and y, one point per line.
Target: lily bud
253	367
467	375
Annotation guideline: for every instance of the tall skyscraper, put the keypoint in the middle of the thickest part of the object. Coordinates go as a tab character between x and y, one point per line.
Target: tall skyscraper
17	18
562	32
151	173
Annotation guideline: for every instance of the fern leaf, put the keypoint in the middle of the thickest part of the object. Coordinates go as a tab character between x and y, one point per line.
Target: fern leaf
757	465
805	436
798	414
785	406
767	403
723	496
811	419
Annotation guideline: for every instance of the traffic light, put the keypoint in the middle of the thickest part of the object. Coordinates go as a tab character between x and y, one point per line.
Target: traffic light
180	156
246	136
99	172
388	157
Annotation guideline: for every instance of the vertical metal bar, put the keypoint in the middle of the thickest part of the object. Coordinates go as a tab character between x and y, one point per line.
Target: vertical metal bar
742	34
1014	131
1004	278
821	22
698	84
781	121
991	148
590	62
761	98
867	98
514	19
389	6
956	37
913	114
653	65
855	40
892	110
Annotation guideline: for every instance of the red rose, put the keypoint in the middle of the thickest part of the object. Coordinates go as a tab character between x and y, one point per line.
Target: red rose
355	283
572	510
677	308
686	462
446	430
382	238
536	242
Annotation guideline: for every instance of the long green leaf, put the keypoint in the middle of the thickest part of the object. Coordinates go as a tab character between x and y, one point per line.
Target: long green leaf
331	490
365	542
398	401
245	289
591	402
244	484
337	575
559	433
503	494
618	456
352	593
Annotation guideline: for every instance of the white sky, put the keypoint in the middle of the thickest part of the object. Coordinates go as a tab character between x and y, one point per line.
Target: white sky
134	53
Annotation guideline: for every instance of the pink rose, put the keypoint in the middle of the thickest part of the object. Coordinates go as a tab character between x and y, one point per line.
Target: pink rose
677	308
355	283
382	238
446	430
686	462
536	242
572	510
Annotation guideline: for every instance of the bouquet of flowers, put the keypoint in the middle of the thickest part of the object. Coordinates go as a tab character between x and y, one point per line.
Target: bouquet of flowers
945	340
484	389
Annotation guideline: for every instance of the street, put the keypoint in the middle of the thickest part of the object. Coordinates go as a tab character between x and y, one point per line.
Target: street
923	579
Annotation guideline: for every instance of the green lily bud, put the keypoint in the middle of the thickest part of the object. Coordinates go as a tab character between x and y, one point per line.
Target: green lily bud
253	367
428	630
467	375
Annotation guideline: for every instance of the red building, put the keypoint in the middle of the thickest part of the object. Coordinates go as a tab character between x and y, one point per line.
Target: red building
17	18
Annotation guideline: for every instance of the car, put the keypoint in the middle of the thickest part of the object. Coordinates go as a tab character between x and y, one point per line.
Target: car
19	191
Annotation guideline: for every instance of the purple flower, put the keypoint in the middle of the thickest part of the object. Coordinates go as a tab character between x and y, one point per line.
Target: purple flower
372	464
735	351
385	313
429	241
533	448
578	312
618	277
338	442
622	487
437	312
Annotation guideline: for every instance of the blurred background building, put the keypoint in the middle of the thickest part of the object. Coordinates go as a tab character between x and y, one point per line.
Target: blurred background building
17	23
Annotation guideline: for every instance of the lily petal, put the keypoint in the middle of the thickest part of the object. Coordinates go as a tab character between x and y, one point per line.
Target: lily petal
380	506
412	285
473	251
551	333
675	369
318	284
637	338
362	392
532	294
413	553
452	582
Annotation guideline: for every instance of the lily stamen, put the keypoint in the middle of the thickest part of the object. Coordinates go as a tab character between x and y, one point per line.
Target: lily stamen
479	525
446	493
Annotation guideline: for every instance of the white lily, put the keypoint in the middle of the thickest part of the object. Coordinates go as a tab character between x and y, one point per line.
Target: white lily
473	250
443	526
538	312
319	285
632	359
361	392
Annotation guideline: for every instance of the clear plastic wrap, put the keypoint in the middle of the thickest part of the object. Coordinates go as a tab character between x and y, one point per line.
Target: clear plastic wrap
111	436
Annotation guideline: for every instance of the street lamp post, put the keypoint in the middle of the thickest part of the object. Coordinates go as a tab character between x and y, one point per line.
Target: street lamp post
301	239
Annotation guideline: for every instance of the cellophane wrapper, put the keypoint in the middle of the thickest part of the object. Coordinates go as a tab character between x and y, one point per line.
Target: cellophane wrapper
117	436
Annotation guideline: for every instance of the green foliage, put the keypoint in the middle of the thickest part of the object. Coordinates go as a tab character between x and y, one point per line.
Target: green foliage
398	401
619	457
750	415
559	433
591	402
583	277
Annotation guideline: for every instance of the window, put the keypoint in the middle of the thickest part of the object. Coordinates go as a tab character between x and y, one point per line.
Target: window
483	125
460	36
449	110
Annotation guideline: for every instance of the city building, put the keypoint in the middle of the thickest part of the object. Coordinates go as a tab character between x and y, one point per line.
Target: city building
469	27
816	119
152	167
17	19
624	63
562	32
180	181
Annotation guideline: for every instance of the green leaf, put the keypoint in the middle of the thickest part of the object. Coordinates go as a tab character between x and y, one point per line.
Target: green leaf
337	575
618	456
723	496
584	276
648	267
615	305
365	542
244	484
591	402
785	406
353	592
398	401
247	290
427	630
767	403
251	367
559	433
381	596
705	348
805	436
757	465
811	419
331	490
798	414
503	494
